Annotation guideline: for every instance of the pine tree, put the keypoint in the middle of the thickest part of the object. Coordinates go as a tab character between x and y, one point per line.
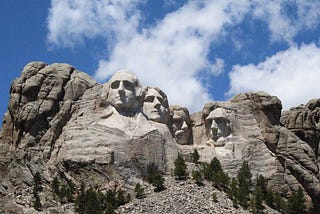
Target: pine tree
215	165
278	202
257	199
296	202
233	191
180	168
37	187
121	199
260	193
36	202
37	181
244	179
155	178
80	200
196	175
92	202
158	182
207	171
214	197
195	156
215	173
152	169
139	190
69	195
262	183
55	186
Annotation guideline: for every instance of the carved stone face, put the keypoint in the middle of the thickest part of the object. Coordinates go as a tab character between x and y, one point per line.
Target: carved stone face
219	125
123	91
181	130
155	106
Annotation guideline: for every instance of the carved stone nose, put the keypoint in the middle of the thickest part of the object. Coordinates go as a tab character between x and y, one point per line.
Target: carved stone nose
121	86
156	102
184	125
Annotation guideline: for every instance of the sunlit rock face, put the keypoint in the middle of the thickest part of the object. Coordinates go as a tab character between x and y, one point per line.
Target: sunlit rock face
127	130
60	122
250	129
304	122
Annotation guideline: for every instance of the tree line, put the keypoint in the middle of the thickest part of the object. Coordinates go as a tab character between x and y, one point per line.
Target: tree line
240	189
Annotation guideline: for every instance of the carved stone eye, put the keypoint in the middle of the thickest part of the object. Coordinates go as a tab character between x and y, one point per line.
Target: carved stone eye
128	85
149	99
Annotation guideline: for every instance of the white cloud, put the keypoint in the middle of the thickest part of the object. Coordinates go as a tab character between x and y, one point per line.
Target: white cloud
292	75
171	53
286	18
70	21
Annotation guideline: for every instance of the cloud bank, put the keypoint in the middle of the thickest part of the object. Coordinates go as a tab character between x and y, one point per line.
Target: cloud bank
172	53
292	75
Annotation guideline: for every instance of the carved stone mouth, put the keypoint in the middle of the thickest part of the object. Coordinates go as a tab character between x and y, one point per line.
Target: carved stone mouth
179	132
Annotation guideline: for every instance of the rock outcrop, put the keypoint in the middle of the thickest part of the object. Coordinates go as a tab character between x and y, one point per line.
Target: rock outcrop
304	121
61	123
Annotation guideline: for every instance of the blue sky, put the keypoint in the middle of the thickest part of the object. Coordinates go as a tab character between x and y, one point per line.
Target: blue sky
196	51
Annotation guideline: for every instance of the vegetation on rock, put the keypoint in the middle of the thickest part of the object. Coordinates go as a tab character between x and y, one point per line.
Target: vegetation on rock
36	189
195	156
180	168
94	201
139	190
154	176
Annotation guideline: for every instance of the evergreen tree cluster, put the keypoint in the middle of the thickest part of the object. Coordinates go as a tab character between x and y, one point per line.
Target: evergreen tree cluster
64	192
242	191
252	197
95	202
213	172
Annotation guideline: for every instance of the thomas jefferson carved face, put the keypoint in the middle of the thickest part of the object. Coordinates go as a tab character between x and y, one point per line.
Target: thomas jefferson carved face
122	92
155	105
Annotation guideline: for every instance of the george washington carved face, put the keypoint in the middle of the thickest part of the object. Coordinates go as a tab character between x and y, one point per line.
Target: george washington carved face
123	91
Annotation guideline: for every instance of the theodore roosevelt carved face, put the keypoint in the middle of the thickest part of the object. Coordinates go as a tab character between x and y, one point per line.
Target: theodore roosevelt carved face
181	124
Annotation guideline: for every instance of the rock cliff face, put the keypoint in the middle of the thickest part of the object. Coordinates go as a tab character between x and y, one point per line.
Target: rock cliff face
60	122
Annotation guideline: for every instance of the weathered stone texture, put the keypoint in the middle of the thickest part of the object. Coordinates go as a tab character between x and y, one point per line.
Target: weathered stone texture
60	122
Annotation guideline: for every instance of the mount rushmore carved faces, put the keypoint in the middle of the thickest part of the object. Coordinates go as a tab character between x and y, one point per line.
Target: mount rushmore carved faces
155	105
181	125
219	125
124	91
